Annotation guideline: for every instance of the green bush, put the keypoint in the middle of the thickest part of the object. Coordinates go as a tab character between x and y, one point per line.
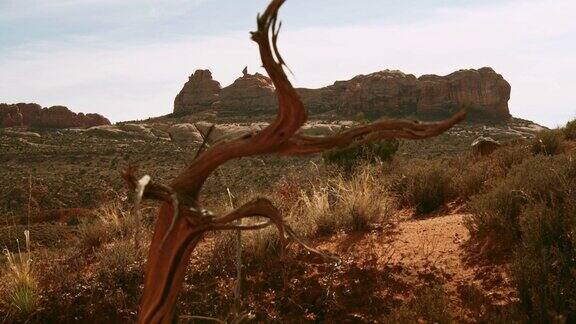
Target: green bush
425	187
532	213
496	213
548	142
349	157
507	157
471	178
537	179
570	130
544	267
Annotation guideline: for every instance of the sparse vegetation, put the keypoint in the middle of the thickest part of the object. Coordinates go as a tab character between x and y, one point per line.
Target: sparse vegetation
348	205
88	268
361	201
537	179
429	304
548	142
425	186
532	213
570	130
120	267
544	265
515	197
336	204
355	155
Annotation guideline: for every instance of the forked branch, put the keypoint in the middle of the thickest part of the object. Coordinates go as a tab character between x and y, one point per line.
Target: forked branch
182	223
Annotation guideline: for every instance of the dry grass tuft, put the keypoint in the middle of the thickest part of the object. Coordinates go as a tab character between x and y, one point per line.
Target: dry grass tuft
111	222
344	204
20	285
361	201
339	204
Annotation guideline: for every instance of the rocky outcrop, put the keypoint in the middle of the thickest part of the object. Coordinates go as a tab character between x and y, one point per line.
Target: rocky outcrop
387	93
184	133
34	115
187	133
484	92
199	93
255	91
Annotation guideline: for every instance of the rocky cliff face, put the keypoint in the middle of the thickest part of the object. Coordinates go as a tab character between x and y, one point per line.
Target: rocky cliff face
387	93
34	115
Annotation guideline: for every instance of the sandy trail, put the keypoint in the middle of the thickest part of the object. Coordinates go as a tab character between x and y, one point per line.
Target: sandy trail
436	250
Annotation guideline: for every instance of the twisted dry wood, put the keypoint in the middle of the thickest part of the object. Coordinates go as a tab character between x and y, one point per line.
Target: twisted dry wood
176	237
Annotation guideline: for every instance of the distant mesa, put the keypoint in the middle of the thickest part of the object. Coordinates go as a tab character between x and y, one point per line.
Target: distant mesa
33	115
382	94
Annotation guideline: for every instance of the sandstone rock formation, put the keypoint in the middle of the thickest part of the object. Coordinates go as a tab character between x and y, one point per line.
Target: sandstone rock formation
199	93
34	115
187	133
184	133
255	91
387	93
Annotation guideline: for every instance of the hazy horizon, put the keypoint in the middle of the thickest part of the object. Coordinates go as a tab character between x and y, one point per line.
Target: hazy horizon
128	61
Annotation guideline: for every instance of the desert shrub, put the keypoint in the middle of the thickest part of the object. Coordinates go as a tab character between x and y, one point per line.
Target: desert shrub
471	176
536	179
120	266
349	157
496	213
544	265
507	157
425	187
93	234
548	142
20	285
342	204
570	130
532	213
258	247
261	245
429	305
470	182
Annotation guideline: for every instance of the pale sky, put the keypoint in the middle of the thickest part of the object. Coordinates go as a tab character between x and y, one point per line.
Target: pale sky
128	59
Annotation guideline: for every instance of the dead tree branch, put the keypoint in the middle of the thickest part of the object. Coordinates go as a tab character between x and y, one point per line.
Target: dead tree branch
175	238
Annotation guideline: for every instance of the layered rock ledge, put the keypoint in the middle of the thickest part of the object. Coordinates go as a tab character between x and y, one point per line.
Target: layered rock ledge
33	115
483	92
